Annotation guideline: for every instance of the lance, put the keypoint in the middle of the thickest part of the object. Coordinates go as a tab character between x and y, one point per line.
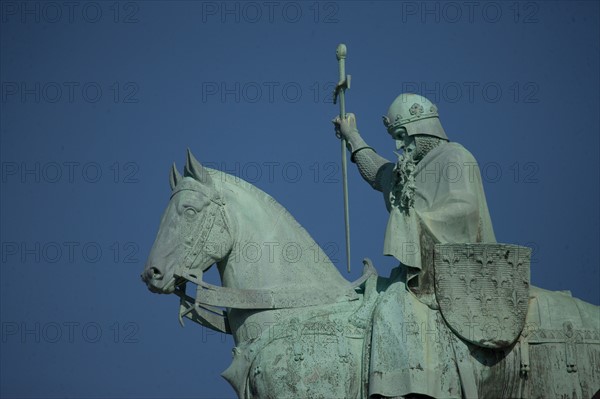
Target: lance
340	89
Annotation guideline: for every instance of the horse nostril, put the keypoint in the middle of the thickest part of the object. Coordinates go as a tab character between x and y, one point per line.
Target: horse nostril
152	273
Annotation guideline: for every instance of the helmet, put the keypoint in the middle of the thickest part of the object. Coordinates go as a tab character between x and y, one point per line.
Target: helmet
416	114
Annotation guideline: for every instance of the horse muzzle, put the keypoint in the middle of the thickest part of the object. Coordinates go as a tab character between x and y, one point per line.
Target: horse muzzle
155	281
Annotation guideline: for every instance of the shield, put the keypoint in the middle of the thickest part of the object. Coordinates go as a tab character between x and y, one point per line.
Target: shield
483	290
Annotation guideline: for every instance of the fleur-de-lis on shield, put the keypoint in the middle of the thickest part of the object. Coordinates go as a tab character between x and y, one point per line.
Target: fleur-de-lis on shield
516	300
468	280
507	282
513	258
484	298
485	258
451	259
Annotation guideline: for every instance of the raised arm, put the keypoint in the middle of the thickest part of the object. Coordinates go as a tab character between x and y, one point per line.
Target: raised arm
371	166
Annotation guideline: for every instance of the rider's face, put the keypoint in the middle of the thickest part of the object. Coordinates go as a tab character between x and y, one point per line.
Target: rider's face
407	144
403	140
397	133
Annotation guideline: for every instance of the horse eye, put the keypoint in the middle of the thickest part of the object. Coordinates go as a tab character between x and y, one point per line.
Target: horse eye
189	211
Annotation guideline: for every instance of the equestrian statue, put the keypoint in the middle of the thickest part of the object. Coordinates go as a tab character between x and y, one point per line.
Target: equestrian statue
457	318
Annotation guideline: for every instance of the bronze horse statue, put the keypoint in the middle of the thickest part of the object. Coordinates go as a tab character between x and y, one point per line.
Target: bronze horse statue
301	330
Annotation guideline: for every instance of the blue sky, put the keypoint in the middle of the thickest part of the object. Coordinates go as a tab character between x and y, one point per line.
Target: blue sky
99	98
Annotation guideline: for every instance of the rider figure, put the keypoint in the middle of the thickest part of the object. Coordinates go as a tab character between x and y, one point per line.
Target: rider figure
434	194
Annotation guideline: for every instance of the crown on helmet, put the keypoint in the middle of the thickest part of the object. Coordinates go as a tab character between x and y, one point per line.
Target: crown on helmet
416	114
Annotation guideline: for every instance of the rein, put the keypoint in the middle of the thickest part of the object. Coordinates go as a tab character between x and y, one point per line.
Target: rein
205	309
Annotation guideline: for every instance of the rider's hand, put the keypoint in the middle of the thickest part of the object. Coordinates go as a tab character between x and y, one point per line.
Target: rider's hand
346	128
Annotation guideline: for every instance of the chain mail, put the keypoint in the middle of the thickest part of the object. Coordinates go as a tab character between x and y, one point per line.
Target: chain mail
425	144
369	163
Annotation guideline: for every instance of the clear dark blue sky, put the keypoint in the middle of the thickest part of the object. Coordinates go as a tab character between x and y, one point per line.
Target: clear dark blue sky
99	98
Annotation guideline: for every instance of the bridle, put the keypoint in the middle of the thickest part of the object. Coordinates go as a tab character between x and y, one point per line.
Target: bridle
204	314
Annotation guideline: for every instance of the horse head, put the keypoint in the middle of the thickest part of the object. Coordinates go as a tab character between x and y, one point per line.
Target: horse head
272	272
183	249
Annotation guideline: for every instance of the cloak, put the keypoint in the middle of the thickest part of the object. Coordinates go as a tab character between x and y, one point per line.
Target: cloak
449	207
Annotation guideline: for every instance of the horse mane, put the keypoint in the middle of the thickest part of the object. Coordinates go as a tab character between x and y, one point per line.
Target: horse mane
313	270
274	205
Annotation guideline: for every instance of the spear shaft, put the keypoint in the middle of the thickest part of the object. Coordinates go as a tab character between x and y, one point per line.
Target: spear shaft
343	84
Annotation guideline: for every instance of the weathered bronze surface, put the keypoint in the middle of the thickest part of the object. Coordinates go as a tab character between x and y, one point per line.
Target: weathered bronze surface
456	319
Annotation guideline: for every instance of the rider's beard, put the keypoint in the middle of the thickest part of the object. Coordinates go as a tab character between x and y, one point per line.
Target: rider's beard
403	183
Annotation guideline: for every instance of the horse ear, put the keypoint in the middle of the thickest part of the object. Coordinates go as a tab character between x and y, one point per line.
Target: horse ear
194	169
174	176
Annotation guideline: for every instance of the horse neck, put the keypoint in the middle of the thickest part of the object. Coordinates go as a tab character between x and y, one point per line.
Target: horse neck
270	248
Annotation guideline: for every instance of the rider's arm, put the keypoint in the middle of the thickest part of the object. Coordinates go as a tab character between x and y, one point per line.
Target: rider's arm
371	166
